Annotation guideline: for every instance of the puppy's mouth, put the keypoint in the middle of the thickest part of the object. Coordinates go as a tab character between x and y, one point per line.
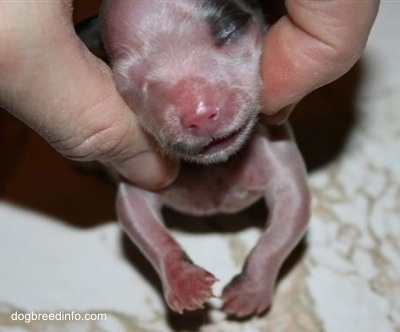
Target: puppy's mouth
221	143
215	149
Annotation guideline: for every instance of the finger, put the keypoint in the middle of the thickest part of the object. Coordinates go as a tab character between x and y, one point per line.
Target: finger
68	96
315	43
279	117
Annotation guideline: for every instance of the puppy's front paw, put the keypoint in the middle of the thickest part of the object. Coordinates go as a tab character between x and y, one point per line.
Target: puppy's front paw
188	286
245	296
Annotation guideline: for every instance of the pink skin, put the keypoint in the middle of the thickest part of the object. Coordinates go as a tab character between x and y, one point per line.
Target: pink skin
200	100
186	91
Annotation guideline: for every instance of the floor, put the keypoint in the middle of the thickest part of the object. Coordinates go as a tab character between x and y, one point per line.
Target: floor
61	249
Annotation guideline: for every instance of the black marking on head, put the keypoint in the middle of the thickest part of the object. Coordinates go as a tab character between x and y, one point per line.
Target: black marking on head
227	19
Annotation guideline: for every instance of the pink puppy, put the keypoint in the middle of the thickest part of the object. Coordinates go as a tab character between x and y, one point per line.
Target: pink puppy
190	71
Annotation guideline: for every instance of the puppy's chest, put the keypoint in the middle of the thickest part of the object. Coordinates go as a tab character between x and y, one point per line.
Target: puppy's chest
205	190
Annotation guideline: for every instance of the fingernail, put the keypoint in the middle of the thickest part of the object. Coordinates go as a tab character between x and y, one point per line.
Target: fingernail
149	170
279	117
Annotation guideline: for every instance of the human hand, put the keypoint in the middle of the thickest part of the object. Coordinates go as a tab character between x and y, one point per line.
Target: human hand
51	82
315	43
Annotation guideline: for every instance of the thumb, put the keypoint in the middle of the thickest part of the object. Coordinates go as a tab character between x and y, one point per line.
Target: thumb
52	83
315	43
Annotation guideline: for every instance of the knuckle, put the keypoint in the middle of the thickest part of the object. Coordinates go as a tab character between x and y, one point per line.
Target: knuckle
103	142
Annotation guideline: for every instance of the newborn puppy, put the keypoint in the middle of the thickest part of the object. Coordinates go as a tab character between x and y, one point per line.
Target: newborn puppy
190	71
